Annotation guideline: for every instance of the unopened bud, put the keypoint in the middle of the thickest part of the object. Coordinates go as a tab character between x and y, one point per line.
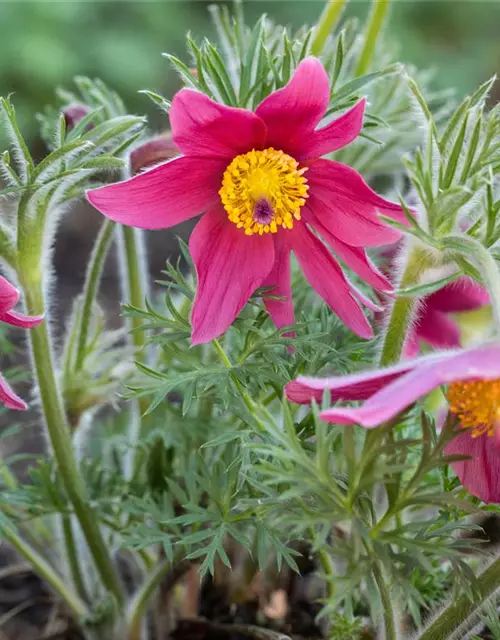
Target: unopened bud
155	151
73	113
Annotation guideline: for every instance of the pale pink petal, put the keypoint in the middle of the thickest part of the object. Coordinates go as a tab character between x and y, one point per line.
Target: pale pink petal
462	295
20	320
164	196
480	475
293	112
9	398
354	257
427	374
326	277
281	311
356	386
202	127
335	135
9	295
348	207
437	329
230	266
411	346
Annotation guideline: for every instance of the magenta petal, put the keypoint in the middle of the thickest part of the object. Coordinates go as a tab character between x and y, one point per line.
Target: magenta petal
357	386
427	374
480	475
20	320
9	295
437	329
354	257
202	127
281	311
335	135
164	196
463	295
326	277
10	399
348	207
230	266
293	112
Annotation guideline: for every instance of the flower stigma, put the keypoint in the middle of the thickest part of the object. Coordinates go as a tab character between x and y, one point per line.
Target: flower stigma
476	404
263	191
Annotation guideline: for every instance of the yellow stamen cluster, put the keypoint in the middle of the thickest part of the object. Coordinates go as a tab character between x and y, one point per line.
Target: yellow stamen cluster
477	405
268	179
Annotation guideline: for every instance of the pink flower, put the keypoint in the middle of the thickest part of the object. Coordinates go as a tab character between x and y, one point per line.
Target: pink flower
472	378
434	325
9	297
260	180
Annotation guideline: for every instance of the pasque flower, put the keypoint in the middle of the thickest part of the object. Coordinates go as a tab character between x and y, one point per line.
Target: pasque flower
434	323
263	186
472	380
9	297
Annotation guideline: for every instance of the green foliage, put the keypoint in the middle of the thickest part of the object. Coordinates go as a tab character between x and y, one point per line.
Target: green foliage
222	460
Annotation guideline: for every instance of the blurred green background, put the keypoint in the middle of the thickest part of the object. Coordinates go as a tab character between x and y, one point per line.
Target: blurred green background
44	44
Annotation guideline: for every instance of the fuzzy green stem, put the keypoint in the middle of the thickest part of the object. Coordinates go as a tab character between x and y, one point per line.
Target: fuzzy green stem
45	571
385	597
72	557
167	572
327	21
462	608
134	278
401	312
373	29
134	270
92	280
60	437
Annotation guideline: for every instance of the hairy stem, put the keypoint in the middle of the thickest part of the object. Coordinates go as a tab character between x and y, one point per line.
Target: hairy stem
401	312
72	557
134	270
60	437
327	21
168	573
44	570
462	608
385	597
373	29
92	280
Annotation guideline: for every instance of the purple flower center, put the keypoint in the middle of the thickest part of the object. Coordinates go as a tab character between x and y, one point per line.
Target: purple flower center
263	212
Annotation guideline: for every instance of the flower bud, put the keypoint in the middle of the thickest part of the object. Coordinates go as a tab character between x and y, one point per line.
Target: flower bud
155	151
73	113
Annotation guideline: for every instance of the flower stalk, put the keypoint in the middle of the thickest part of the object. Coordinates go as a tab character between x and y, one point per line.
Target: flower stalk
328	19
44	570
167	572
385	597
92	280
134	269
60	438
374	27
463	608
401	312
